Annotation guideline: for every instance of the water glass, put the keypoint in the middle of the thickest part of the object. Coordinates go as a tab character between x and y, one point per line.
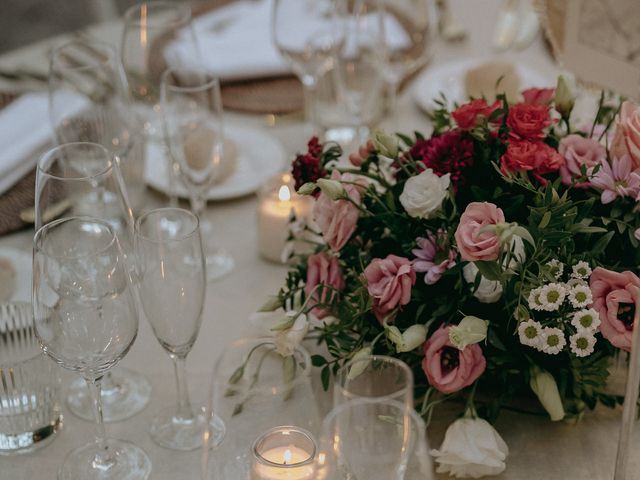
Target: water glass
29	384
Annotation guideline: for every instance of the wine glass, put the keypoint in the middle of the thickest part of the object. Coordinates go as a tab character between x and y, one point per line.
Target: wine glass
192	113
86	321
89	75
373	438
374	377
308	33
148	28
82	179
171	272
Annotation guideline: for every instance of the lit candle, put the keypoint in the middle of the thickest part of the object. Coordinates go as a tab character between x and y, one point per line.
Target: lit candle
284	453
279	203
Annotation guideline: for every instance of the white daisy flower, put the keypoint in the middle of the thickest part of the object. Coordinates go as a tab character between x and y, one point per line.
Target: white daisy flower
581	270
552	340
530	333
582	343
535	302
552	295
586	320
556	267
580	296
574	282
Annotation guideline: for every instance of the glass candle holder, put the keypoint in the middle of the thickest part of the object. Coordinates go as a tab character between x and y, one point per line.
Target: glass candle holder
284	452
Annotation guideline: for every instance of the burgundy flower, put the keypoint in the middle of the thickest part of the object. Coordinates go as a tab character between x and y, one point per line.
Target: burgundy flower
308	167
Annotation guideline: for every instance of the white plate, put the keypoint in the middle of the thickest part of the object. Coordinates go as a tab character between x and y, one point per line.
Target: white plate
21	262
449	79
259	157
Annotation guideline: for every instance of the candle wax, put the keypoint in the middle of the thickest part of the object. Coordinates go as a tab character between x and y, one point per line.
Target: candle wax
286	455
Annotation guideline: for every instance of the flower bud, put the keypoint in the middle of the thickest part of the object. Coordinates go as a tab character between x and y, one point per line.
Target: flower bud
358	363
469	331
288	340
544	386
331	188
564	99
307	189
412	338
388	145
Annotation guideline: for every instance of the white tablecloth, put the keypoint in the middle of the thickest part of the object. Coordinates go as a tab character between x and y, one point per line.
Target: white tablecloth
539	449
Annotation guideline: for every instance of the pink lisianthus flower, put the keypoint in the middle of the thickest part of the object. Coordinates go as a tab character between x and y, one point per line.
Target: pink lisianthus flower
626	139
474	244
447	368
357	158
538	96
389	283
616	179
433	257
323	269
578	151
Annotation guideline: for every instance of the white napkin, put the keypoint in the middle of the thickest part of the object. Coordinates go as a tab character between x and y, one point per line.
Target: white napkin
25	128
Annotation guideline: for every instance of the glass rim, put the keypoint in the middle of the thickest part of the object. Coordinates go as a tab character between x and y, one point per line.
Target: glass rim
342	374
108	49
154	211
47	156
207	84
305	434
182	14
27	306
37	238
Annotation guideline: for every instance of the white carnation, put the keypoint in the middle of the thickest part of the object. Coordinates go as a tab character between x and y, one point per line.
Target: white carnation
423	194
488	291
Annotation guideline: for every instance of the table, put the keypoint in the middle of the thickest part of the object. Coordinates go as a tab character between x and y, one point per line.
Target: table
539	448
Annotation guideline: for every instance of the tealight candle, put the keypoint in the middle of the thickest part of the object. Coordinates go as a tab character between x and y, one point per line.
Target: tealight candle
284	453
279	203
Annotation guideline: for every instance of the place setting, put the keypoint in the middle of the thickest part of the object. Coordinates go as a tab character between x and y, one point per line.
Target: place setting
382	239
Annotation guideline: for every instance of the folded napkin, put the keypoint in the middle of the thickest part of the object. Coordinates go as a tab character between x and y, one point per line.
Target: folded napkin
25	129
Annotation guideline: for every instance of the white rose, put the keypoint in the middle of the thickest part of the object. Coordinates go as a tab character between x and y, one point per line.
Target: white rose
488	291
545	387
288	340
471	448
424	193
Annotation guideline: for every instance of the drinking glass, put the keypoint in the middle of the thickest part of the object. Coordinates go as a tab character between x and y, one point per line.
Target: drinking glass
257	391
29	384
90	74
373	439
193	122
171	272
148	28
86	321
308	33
82	179
374	377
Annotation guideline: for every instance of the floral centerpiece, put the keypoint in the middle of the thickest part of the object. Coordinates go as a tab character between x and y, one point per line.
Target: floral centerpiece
497	255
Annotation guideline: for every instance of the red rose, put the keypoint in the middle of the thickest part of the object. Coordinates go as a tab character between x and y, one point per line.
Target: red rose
527	121
538	96
536	157
466	116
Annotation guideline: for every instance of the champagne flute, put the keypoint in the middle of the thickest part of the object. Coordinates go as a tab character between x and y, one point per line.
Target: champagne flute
86	321
171	272
83	179
192	113
307	33
148	29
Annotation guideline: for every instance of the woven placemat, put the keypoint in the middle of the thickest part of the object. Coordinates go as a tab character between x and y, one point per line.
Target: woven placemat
20	196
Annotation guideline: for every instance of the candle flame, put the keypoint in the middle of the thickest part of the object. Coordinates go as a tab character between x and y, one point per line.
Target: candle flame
284	194
287	456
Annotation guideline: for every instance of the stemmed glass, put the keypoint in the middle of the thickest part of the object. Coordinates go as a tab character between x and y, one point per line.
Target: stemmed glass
148	28
171	272
86	321
89	73
82	179
308	33
193	123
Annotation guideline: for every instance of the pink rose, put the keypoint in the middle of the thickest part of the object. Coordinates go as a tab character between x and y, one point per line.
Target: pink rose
627	137
538	96
578	151
473	244
447	368
337	219
323	269
389	282
527	121
614	300
466	116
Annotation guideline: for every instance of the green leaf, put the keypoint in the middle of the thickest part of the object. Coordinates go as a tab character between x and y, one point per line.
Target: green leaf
524	234
602	243
324	376
272	304
546	218
318	360
489	270
585	229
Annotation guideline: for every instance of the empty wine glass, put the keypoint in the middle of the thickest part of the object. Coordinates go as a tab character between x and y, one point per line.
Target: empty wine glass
171	272
307	33
193	122
373	439
83	179
89	74
86	321
149	27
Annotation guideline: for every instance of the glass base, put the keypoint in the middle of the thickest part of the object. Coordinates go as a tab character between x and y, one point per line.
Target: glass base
129	462
184	434
219	264
124	393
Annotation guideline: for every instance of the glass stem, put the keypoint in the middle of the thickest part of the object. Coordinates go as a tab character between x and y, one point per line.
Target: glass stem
392	95
172	176
309	91
104	459
184	411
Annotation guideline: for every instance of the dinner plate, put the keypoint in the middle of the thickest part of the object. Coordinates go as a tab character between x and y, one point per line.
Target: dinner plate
21	262
448	79
259	156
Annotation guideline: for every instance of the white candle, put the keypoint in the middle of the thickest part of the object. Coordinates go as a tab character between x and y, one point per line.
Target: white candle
284	453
